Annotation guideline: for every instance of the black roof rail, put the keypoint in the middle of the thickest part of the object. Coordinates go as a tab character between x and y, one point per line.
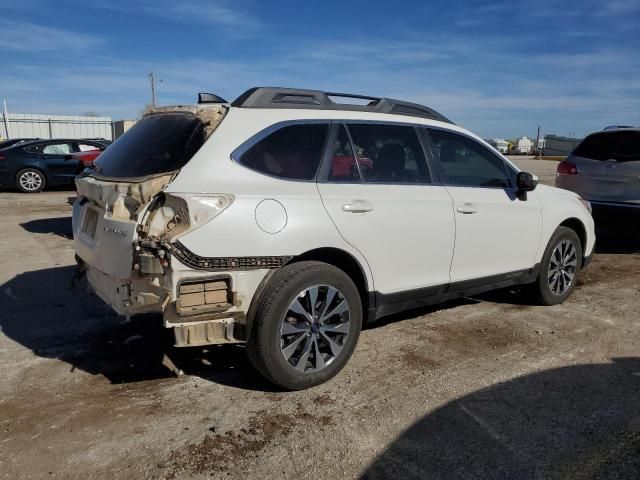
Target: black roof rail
274	97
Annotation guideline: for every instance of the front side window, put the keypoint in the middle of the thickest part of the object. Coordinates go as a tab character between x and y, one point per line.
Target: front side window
292	152
57	149
466	163
389	154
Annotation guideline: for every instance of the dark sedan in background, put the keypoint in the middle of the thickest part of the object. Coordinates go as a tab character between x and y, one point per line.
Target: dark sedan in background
32	165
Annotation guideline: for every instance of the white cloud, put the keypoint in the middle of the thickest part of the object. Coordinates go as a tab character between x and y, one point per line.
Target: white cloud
31	37
230	15
618	7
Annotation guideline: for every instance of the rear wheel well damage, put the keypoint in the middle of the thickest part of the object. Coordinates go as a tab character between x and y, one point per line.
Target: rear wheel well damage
332	256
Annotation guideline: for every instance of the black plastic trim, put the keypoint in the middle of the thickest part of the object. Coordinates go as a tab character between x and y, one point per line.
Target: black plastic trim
213	264
389	303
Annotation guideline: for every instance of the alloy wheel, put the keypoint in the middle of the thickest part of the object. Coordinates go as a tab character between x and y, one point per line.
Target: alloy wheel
30	181
314	328
562	267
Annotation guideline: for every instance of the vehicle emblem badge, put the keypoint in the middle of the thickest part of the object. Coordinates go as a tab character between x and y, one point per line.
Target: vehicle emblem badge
117	231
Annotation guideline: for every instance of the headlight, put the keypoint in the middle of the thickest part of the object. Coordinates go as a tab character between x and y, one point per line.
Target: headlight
586	205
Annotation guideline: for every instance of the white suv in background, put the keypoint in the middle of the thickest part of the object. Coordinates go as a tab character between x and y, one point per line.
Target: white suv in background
287	220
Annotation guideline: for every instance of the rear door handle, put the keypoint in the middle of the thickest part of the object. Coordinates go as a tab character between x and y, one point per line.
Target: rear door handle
466	208
357	206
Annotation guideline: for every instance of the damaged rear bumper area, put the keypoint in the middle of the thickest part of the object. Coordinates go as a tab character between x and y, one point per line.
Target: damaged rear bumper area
202	308
122	235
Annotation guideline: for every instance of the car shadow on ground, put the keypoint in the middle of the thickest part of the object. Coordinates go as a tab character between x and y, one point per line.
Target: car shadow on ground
58	226
578	422
618	239
42	311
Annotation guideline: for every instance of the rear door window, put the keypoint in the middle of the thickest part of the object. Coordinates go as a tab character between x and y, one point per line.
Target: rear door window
157	144
623	146
389	154
292	152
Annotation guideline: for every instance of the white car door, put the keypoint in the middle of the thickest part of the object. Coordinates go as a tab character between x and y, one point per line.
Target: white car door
384	204
496	232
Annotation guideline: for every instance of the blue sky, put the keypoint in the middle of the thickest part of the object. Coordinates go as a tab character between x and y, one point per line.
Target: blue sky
499	68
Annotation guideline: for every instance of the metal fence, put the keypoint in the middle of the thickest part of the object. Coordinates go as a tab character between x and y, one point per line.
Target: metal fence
16	125
556	145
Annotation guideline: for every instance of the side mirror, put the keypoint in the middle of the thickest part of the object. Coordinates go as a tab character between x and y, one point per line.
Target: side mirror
526	182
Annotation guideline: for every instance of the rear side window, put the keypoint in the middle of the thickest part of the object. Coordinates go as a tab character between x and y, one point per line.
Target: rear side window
385	154
157	144
466	163
292	152
57	149
622	146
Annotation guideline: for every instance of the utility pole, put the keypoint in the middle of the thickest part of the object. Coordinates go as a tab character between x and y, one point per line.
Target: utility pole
538	142
5	114
152	80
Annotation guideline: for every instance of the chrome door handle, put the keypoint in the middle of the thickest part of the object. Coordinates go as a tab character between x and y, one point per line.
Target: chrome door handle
357	206
466	209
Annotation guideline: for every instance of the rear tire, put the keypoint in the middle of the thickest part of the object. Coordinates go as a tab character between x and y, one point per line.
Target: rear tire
30	180
306	325
559	268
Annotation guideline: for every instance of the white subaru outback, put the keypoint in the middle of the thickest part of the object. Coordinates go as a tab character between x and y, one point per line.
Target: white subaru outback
288	218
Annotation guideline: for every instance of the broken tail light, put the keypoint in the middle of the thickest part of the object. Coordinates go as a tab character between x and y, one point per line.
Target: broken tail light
567	168
181	212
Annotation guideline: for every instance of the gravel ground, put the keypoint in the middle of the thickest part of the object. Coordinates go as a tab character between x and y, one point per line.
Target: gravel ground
487	387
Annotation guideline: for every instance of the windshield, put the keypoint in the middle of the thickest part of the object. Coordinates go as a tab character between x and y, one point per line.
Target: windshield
159	143
623	146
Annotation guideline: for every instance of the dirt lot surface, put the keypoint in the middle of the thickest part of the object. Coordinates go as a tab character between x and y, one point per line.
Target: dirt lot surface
488	387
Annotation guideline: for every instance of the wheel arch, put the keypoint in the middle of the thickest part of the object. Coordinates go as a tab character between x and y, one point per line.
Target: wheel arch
332	256
577	226
345	262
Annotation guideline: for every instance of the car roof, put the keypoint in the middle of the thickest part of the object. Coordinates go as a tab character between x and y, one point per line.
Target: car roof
619	127
610	131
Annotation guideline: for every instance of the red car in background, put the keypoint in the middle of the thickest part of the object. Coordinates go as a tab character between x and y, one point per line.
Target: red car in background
87	157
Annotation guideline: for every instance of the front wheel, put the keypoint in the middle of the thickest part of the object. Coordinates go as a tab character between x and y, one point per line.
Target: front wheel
559	268
306	325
